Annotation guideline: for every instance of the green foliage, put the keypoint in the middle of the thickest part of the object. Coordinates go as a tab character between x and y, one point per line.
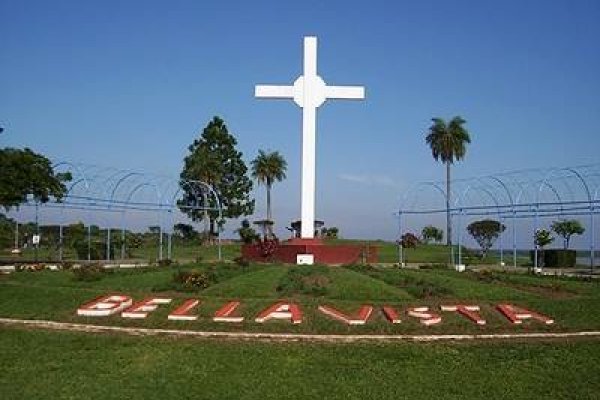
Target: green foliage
305	279
268	168
447	142
7	229
247	234
567	228
485	232
27	173
432	233
543	237
193	280
330	233
97	249
185	231
213	159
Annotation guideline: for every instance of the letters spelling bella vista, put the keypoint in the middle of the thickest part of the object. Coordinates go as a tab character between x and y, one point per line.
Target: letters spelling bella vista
113	304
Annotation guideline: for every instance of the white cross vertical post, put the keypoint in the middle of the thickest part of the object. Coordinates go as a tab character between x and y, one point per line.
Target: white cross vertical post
309	92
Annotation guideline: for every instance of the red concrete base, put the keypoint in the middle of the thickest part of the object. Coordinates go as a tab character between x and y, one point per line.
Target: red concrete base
286	252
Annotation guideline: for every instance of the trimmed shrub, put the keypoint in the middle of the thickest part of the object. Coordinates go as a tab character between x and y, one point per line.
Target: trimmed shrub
555	258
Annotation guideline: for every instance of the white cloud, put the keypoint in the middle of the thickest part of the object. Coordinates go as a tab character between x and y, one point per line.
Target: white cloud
366	179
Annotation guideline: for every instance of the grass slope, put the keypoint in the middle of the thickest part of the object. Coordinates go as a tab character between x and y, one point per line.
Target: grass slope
61	365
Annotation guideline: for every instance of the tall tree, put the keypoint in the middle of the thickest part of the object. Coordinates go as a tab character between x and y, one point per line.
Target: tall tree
214	159
268	168
448	144
567	228
25	173
485	232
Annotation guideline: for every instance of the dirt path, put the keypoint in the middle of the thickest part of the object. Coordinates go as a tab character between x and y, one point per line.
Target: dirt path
289	337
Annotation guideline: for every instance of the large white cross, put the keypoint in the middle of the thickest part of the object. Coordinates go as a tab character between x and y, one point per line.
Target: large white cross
309	92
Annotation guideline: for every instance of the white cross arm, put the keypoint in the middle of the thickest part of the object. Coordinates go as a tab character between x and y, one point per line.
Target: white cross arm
274	91
345	92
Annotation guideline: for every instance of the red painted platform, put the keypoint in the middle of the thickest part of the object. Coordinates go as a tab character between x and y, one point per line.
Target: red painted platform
323	253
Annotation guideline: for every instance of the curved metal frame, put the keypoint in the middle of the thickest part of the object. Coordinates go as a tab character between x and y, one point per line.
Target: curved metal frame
518	194
113	190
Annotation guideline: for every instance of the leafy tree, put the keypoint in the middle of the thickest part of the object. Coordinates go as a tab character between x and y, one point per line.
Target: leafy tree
409	240
154	229
213	159
485	232
247	234
430	233
567	228
448	144
185	231
7	231
543	237
268	168
331	233
27	173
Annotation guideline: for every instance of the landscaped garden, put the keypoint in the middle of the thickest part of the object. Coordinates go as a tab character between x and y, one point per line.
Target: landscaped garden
78	365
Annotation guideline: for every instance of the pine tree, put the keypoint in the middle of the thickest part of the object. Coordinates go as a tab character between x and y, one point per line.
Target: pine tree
214	160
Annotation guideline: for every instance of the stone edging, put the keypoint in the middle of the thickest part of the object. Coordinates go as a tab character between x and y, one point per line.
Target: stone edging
287	337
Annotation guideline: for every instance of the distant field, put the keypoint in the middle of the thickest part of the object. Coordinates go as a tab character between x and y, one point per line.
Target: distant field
185	253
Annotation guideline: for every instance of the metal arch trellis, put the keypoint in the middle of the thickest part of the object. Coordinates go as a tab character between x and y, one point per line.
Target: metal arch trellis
94	188
521	194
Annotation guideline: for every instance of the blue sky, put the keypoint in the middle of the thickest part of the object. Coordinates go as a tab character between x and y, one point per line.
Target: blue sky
131	84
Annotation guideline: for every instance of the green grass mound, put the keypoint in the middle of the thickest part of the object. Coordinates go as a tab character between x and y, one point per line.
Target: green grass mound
57	295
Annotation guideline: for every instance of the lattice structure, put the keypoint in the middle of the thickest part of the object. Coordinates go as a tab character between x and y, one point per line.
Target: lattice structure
98	190
532	194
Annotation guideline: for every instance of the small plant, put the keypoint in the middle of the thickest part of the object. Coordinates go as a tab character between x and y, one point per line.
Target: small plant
542	237
193	280
267	247
247	234
88	273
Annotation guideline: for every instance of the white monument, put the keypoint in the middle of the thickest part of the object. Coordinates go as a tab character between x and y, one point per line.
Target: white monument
309	91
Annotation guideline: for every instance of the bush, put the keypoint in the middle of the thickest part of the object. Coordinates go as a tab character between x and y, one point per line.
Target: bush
434	266
97	250
555	258
193	280
88	273
165	262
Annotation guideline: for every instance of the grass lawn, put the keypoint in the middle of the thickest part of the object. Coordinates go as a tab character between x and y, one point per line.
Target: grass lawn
67	365
184	252
56	296
64	365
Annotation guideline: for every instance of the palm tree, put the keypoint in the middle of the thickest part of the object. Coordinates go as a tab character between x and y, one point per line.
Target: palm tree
448	144
268	168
